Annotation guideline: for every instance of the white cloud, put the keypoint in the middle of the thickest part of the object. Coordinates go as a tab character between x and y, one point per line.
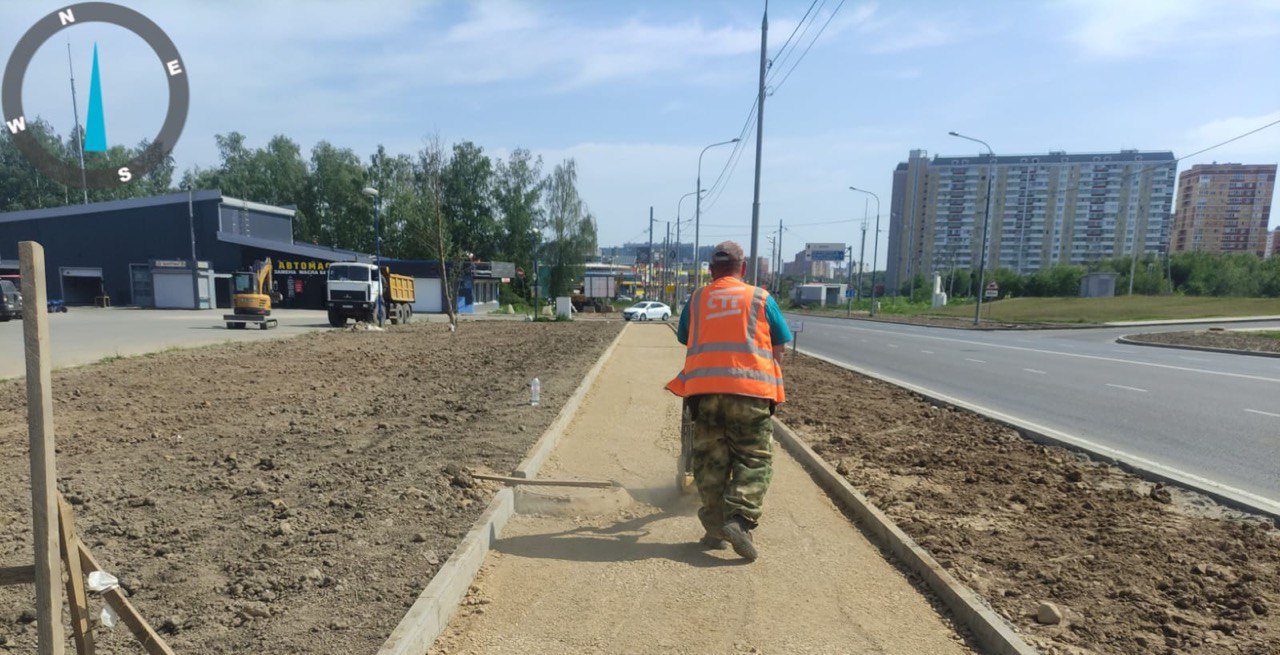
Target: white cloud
1127	28
1264	145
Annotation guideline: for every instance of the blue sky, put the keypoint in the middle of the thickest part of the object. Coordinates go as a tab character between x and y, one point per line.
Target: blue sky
634	90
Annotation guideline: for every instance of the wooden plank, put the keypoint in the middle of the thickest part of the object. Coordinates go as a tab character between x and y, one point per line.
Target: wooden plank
541	482
142	631
77	600
44	508
12	575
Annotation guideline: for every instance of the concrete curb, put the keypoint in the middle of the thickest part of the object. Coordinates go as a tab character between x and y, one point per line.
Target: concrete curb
430	613
1128	340
991	631
1031	327
1145	468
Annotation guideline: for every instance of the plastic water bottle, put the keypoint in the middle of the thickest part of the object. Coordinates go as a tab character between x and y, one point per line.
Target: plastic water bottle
536	389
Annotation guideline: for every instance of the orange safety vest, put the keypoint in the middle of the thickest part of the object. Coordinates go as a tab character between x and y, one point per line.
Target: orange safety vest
729	349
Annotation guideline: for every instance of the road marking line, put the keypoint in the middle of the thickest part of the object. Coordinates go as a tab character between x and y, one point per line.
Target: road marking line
927	352
893	345
1269	505
1121	386
1118	360
970	359
1036	371
1258	411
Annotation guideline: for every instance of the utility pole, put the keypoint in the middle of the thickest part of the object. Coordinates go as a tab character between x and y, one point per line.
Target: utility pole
677	281
862	254
195	269
773	255
84	185
648	279
780	255
666	261
849	272
755	205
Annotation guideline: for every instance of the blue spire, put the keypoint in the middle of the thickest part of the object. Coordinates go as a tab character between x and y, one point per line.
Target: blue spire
95	136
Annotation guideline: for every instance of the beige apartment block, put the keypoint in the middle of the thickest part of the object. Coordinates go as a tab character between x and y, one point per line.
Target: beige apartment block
1224	208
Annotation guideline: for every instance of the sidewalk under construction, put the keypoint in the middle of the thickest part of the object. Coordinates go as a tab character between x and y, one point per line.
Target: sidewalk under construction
627	576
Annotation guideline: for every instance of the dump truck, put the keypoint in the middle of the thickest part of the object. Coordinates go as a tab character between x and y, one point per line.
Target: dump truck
253	292
354	289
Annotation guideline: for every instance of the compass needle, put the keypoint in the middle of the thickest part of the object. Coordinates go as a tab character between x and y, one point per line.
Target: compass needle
95	139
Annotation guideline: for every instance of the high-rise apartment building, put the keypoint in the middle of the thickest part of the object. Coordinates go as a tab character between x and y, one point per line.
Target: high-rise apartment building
1224	208
1273	244
1045	209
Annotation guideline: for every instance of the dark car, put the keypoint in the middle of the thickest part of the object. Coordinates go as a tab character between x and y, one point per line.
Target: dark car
10	301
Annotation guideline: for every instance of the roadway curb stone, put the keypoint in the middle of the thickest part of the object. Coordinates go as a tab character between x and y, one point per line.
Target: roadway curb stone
430	613
1147	469
1032	327
1128	340
992	632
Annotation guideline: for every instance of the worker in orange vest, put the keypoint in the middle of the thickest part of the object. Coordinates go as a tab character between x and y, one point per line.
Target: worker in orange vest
735	336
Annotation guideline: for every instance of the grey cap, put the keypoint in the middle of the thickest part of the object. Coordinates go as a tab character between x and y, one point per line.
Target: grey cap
727	251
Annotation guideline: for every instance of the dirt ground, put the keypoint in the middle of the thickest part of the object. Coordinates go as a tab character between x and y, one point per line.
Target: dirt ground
1136	568
290	496
1226	339
594	579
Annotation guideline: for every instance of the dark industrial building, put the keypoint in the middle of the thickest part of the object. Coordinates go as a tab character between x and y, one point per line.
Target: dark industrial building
140	252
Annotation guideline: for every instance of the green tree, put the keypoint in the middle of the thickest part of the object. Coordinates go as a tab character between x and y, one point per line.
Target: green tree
336	212
467	185
571	230
517	191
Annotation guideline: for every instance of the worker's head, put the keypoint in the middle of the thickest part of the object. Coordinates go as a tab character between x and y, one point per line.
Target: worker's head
727	260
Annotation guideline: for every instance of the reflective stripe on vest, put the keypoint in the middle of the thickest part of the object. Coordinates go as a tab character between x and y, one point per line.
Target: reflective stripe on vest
743	373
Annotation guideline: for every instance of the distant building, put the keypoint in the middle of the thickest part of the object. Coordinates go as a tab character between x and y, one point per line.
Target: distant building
1273	244
1046	209
803	267
1224	208
763	262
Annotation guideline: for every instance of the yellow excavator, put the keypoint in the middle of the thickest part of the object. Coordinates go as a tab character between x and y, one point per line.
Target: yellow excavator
251	297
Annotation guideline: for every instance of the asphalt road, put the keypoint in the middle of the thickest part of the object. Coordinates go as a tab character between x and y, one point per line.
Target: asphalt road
84	335
1212	415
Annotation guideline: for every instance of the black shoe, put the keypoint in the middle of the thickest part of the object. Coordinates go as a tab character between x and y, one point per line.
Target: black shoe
713	542
738	536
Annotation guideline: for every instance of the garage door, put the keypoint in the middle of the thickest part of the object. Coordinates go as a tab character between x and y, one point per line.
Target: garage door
80	285
172	290
428	295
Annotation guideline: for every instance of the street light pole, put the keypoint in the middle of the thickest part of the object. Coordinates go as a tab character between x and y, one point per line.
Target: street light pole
986	225
875	250
862	254
679	256
377	256
697	214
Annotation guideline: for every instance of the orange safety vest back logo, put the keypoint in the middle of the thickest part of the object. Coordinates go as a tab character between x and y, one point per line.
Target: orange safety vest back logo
730	348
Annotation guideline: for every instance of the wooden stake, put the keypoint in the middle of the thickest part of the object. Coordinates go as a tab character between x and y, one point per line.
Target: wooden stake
141	630
44	508
77	601
540	482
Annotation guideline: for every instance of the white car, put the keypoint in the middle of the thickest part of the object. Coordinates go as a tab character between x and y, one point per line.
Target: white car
647	311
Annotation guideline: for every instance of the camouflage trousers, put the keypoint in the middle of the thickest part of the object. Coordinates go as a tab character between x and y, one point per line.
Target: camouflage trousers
732	458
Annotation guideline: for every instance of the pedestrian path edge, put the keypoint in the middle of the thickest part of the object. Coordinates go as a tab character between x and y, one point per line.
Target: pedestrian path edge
430	613
993	634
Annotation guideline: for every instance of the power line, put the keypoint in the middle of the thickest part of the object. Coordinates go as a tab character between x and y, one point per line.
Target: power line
779	57
806	50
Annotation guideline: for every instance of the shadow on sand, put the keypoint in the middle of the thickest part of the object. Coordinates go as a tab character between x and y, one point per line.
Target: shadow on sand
623	541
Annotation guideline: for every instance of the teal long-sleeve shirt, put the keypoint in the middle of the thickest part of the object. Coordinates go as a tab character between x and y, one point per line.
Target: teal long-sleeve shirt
778	329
